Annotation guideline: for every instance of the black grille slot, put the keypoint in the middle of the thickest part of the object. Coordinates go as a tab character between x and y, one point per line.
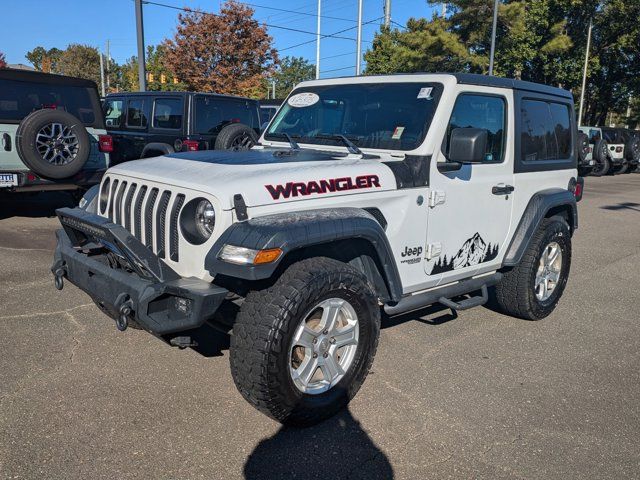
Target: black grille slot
127	206
173	228
114	189
119	195
137	213
148	218
161	216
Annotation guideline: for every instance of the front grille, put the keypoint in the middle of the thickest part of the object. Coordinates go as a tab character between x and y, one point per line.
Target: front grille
145	212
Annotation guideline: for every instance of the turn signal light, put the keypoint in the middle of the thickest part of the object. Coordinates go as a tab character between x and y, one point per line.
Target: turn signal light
267	256
105	143
191	145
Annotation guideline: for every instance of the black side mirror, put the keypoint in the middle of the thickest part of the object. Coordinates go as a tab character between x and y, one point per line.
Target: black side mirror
468	145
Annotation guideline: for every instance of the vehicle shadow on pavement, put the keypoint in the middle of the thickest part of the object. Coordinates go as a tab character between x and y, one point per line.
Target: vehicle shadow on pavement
623	206
336	448
33	205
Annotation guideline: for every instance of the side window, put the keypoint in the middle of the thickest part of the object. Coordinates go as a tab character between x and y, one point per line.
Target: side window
135	114
167	113
560	115
113	111
546	131
594	135
480	111
214	113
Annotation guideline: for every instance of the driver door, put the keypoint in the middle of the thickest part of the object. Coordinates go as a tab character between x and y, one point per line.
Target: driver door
470	208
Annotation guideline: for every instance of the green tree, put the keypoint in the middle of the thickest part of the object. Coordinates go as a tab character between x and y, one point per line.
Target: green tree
80	61
290	72
159	76
44	60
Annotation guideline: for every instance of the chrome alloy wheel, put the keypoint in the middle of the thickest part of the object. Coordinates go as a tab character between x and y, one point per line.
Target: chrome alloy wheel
57	144
549	269
324	346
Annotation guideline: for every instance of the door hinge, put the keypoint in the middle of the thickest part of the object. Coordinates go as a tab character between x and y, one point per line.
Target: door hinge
436	197
433	250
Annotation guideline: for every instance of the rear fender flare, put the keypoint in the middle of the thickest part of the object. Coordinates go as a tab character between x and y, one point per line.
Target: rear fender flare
540	206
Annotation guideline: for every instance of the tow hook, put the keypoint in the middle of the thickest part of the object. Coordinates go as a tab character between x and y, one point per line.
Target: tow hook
124	312
59	272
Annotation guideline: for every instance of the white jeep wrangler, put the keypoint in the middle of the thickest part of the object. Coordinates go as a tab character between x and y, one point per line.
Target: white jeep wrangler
365	195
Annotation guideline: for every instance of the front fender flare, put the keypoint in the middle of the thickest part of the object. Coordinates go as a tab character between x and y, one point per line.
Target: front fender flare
295	230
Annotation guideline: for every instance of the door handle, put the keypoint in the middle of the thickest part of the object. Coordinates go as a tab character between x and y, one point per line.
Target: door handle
502	189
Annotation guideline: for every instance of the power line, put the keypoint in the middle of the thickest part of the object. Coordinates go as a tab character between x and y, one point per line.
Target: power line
338	69
332	35
339	55
290	29
298	12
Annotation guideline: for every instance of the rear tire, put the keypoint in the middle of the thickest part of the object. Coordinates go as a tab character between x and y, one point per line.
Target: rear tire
518	293
264	344
601	167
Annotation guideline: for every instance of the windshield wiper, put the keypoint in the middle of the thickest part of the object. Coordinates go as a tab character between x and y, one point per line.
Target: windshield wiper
347	143
292	143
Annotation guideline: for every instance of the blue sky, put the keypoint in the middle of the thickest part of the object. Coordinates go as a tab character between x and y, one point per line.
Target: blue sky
29	23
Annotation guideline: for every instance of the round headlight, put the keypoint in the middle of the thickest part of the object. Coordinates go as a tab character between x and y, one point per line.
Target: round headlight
104	195
197	221
205	218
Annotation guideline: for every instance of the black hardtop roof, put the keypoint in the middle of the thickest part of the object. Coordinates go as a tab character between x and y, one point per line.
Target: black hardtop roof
175	94
500	82
41	77
491	81
271	102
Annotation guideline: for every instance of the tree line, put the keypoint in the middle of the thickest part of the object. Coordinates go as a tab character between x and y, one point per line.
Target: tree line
538	40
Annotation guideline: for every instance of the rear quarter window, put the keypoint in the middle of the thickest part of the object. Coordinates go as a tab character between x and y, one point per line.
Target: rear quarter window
545	131
18	99
213	113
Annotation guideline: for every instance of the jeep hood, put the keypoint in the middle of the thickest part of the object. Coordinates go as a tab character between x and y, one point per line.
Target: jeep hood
263	176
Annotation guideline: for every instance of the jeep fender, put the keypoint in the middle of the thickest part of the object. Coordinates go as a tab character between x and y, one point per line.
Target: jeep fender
541	205
294	231
163	148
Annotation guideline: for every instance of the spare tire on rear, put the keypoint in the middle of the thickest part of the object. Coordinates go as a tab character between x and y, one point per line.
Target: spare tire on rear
632	149
53	143
236	136
583	146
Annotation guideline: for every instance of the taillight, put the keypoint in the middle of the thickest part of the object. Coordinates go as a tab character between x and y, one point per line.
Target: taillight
105	143
578	190
191	145
576	186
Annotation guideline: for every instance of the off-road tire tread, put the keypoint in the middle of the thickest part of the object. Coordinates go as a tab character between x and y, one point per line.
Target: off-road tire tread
260	330
511	294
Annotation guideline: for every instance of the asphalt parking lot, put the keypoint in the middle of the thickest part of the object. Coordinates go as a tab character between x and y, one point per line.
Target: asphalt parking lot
477	396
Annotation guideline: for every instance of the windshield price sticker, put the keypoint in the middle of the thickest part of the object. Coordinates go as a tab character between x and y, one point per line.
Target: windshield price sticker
425	92
303	99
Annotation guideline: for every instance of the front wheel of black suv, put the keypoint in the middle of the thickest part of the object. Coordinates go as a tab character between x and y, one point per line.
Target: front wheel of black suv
301	349
531	290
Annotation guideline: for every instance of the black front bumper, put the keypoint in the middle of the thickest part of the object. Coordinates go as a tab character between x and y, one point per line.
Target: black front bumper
126	280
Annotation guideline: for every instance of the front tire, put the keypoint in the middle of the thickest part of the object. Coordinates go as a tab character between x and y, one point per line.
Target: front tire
281	331
531	290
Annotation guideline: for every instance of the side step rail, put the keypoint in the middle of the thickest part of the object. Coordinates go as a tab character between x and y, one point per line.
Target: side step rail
467	302
444	295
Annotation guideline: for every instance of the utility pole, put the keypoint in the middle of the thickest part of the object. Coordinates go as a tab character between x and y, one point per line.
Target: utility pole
387	13
584	72
273	84
107	59
318	41
101	74
359	39
140	34
493	36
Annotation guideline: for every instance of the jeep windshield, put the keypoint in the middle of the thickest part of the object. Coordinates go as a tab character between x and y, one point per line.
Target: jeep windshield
388	116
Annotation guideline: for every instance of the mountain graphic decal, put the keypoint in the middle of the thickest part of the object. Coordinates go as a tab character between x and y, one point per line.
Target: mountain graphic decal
473	252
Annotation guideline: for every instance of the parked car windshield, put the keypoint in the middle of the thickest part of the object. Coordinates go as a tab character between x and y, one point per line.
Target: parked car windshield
18	99
390	116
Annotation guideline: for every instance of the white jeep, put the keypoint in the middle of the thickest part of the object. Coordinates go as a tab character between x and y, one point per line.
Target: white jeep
365	195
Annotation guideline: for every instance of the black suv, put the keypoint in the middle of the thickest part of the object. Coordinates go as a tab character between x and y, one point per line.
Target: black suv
149	124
